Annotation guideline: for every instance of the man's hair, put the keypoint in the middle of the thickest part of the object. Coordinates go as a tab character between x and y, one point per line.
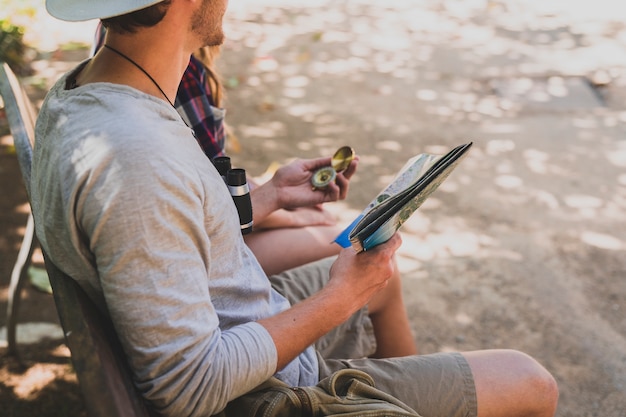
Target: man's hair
130	22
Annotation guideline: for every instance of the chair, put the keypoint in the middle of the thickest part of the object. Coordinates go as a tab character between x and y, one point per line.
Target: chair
99	362
21	116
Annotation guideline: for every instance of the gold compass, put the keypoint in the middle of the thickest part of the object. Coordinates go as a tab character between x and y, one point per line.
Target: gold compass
339	162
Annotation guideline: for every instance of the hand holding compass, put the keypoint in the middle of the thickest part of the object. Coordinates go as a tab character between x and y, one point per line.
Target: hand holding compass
339	162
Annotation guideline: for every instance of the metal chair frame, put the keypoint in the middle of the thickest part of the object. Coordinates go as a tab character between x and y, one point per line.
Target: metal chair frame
21	116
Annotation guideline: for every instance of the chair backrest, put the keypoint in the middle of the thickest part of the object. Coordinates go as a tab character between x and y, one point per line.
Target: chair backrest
99	362
100	365
21	116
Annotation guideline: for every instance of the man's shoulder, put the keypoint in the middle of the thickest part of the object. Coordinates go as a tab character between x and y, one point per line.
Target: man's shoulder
107	106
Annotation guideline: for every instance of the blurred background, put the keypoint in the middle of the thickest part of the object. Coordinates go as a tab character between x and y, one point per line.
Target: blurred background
523	247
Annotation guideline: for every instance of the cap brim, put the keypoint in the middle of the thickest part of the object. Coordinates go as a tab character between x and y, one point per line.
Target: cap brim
81	10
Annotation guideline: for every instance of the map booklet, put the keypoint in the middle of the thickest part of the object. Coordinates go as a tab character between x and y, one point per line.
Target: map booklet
414	183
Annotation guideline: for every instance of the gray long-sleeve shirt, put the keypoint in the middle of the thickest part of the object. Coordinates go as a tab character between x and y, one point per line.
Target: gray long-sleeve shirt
126	203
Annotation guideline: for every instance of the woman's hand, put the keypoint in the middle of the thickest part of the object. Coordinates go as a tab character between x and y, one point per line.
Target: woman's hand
290	188
293	183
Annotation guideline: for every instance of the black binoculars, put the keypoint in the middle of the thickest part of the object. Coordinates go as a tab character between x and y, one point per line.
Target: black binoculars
235	179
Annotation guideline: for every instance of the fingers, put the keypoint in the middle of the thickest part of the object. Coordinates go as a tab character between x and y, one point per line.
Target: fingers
340	188
392	244
315	164
337	190
348	172
385	252
343	184
365	273
343	178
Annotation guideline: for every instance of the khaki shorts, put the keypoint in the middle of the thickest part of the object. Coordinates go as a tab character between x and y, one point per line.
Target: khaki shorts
433	385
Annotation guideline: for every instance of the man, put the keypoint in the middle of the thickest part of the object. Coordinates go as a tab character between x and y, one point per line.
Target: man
123	199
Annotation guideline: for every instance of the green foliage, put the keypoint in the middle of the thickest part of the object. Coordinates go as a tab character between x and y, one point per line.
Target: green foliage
12	48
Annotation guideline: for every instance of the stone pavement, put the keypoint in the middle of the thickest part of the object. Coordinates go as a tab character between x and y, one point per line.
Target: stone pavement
524	246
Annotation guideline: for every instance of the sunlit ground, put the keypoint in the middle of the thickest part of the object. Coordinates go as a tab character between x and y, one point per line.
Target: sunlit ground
524	245
494	69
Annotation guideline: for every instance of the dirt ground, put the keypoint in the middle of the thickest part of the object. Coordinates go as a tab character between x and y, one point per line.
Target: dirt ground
524	246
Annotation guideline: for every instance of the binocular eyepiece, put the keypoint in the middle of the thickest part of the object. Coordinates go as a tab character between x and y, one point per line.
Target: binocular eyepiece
235	179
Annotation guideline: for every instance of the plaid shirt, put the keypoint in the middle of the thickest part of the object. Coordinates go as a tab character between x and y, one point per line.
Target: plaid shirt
194	103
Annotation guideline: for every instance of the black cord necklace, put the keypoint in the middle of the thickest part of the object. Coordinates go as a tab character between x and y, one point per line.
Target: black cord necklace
142	70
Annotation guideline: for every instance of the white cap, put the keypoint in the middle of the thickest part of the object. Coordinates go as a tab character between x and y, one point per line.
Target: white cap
78	10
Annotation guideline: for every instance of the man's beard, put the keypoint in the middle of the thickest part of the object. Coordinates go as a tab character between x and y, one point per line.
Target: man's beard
207	26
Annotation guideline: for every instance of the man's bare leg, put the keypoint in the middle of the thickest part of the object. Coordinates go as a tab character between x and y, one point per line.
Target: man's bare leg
512	384
391	323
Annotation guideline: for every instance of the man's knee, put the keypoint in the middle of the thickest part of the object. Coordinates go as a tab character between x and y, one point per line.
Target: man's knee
543	385
511	383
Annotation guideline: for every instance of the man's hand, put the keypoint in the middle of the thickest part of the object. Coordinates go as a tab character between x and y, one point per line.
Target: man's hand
361	275
355	279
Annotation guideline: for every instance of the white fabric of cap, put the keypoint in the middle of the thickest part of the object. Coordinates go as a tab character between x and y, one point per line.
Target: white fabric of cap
79	10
